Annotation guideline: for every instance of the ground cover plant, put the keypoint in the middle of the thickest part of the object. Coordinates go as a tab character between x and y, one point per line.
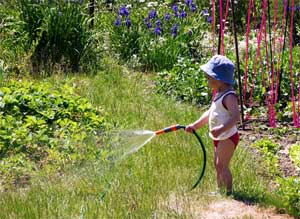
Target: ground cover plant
43	127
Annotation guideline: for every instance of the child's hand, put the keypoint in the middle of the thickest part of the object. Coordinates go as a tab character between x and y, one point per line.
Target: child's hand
190	128
217	131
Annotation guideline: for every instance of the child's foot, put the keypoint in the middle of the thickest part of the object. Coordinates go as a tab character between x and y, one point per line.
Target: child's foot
215	194
219	193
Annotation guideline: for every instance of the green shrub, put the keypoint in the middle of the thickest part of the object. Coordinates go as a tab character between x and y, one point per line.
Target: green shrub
184	82
44	126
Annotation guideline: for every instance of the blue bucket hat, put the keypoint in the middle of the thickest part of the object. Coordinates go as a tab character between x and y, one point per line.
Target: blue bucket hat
220	68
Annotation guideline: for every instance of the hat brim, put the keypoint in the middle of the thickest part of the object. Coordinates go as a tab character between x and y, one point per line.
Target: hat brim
207	68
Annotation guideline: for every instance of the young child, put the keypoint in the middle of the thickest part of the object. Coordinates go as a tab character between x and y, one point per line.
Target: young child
222	117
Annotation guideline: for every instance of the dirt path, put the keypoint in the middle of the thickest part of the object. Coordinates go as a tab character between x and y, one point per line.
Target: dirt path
221	208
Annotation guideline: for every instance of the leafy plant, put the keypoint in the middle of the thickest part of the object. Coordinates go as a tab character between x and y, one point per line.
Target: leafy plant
289	192
42	125
184	82
294	152
268	150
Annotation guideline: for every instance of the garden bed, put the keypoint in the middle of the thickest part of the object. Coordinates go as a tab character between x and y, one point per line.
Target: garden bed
284	135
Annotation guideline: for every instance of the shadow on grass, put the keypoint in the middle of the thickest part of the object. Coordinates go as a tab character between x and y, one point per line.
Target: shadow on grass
248	199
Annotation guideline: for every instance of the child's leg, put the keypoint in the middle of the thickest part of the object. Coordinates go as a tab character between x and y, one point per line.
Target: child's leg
223	154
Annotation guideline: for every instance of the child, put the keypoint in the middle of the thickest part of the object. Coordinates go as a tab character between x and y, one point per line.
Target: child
222	117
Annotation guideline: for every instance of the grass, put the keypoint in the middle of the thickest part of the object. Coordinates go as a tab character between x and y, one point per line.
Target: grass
155	182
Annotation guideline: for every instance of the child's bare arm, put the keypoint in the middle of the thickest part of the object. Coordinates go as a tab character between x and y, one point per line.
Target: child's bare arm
203	120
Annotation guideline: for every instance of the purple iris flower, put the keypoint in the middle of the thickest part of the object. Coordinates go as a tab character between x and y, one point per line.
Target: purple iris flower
188	2
157	31
174	30
128	22
175	8
209	19
183	14
152	14
167	17
158	23
118	22
146	20
193	7
124	11
205	13
149	25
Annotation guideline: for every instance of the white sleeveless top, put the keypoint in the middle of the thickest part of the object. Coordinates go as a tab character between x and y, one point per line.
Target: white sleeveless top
218	114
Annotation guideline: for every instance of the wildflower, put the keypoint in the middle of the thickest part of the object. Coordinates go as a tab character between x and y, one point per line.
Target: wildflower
167	17
148	24
158	23
118	21
175	8
128	22
182	14
124	11
205	13
188	2
174	30
157	31
193	7
152	14
209	19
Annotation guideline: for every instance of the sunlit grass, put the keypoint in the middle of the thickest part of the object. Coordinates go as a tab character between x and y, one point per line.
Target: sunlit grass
155	182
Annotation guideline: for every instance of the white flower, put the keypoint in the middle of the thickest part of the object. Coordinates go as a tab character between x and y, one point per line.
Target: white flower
152	4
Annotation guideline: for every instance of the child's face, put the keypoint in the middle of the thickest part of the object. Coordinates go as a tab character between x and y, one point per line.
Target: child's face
213	83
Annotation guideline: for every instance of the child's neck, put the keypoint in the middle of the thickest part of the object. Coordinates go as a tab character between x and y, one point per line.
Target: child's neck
223	88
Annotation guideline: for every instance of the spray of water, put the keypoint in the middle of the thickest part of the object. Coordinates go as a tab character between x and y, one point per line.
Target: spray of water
120	144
